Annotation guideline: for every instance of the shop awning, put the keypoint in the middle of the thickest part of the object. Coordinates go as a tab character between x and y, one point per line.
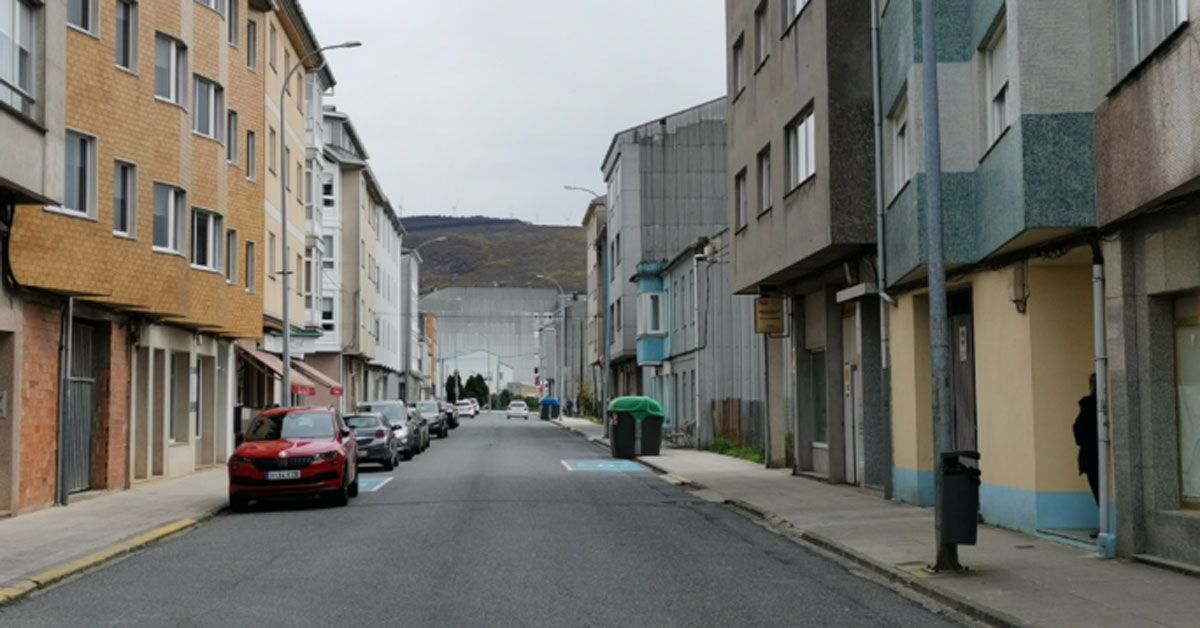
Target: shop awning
301	384
311	371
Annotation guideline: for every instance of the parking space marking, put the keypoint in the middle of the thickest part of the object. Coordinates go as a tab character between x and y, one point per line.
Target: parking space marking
602	466
370	485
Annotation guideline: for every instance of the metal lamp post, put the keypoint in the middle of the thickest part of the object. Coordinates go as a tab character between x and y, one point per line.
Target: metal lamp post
406	306
285	397
558	333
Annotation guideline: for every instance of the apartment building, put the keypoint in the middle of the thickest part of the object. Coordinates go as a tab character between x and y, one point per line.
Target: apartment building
666	189
412	376
161	183
1019	204
595	221
388	372
33	109
711	380
356	208
429	370
1147	163
802	216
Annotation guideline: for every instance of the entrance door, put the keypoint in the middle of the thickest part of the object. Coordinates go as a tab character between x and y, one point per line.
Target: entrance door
962	371
79	420
852	397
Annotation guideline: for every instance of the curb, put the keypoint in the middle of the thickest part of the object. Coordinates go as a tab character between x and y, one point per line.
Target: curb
951	600
21	589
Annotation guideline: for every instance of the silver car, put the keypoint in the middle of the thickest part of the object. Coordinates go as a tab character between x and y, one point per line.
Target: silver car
377	442
517	409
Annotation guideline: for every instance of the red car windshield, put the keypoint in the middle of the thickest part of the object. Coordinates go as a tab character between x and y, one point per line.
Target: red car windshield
293	425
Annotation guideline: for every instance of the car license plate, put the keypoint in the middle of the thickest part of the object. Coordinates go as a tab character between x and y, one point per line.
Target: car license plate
362	453
283	475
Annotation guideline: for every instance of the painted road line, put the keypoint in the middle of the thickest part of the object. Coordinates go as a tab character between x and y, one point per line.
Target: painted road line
603	466
370	485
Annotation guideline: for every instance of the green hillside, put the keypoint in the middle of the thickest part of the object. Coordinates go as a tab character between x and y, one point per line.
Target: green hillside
482	251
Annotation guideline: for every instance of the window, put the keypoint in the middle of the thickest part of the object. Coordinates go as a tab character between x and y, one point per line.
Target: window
762	34
308	274
82	14
231	250
231	136
995	59
127	34
328	200
1142	25
251	268
299	177
251	155
739	199
327	320
271	259
271	149
80	197
362	254
215	5
170	69
234	22
209	108
287	181
764	179
124	198
298	270
650	321
169	204
898	122
801	150
252	45
271	45
619	325
207	236
791	10
329	260
739	67
617	256
18	64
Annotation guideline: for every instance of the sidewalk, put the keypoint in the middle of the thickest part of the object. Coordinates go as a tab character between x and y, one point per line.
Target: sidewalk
1015	579
42	547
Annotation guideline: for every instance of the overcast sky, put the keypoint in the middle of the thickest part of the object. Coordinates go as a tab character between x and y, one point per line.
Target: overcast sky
491	106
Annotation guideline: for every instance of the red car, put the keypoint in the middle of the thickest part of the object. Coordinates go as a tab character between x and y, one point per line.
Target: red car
288	452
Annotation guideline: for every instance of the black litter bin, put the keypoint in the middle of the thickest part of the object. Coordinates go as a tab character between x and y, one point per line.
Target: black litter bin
960	497
545	412
636	427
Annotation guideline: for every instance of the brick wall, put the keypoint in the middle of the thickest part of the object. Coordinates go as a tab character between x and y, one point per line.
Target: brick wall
110	470
39	399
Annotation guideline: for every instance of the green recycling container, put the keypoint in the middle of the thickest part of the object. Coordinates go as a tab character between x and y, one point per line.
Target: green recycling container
636	427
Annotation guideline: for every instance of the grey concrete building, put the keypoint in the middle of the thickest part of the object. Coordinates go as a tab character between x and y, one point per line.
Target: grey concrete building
564	337
1147	165
666	189
801	206
503	322
595	224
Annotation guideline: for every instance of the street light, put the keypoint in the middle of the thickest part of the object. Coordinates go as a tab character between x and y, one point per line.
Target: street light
558	333
406	308
285	394
577	188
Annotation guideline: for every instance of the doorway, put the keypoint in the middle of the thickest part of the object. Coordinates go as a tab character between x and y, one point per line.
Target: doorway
852	410
962	371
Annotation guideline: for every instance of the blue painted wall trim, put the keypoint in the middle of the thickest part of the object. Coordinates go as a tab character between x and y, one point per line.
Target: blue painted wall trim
651	350
1067	510
1027	511
912	486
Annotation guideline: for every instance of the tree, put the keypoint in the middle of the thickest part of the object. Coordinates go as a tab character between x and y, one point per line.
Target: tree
477	389
454	387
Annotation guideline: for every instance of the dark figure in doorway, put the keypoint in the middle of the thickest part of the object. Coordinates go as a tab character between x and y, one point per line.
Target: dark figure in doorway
1086	434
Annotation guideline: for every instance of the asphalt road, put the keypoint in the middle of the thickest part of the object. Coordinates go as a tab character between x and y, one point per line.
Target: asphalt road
488	528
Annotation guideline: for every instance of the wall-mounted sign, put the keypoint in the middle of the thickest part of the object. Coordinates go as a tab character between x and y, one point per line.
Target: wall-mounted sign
768	315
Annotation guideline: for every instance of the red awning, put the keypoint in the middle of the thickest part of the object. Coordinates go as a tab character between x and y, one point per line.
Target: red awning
301	384
311	371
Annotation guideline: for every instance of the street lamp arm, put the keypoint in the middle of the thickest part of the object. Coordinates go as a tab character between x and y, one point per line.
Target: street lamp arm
577	188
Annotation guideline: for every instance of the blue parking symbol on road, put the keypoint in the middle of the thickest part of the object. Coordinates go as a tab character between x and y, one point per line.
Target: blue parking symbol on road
370	485
602	466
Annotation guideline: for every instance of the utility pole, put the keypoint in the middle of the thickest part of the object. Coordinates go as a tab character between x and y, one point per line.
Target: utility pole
939	336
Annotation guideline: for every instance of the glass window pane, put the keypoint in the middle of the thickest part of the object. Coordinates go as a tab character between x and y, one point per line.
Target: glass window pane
1187	382
71	199
123	34
162	225
162	67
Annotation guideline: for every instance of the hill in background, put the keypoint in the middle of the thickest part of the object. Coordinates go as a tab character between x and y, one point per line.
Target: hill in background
482	251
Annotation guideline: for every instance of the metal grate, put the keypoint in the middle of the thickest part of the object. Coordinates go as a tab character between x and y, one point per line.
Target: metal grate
275	464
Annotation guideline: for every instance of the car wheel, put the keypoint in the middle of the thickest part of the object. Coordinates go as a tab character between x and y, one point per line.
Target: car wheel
352	490
339	497
389	463
406	456
238	503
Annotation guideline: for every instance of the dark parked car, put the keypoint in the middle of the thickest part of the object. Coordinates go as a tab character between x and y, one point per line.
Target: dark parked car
450	413
288	452
411	431
433	414
377	440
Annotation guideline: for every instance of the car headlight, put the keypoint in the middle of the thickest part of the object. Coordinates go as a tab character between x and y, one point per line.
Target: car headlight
239	460
327	455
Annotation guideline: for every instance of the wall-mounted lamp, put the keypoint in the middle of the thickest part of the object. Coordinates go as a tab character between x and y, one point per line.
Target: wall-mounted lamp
1019	288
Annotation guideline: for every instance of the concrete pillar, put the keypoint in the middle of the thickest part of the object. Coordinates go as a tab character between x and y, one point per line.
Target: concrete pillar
877	433
834	400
